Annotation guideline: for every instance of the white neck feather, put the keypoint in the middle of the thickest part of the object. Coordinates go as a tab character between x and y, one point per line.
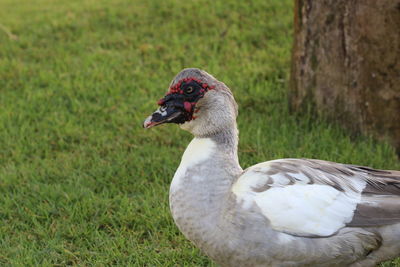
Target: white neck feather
198	151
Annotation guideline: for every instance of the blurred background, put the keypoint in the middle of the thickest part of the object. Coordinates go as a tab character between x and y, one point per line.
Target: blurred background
81	182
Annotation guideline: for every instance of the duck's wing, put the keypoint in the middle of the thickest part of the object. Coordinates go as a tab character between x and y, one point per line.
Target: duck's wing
305	197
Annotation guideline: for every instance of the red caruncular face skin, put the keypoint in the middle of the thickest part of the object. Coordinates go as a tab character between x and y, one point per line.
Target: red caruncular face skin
183	96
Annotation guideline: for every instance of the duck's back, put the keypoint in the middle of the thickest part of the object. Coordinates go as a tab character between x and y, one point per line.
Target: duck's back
324	211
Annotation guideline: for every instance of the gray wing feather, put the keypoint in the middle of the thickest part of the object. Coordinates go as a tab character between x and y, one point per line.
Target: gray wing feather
380	199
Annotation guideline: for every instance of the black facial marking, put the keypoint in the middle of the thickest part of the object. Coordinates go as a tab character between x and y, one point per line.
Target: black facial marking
182	98
191	89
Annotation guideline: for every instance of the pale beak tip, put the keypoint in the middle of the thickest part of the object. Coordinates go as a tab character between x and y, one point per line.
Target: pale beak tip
148	123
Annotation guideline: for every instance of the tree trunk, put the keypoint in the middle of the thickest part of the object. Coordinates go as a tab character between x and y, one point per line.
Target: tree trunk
346	64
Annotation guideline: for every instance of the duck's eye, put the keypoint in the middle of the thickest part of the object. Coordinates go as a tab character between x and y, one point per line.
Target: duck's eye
189	90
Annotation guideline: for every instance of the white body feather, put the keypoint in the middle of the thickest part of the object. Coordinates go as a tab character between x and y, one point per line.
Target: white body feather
198	150
300	208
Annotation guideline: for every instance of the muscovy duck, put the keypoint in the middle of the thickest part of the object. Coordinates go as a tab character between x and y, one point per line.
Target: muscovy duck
285	212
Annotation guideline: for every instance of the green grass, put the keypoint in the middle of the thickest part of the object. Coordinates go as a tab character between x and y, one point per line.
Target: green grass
81	182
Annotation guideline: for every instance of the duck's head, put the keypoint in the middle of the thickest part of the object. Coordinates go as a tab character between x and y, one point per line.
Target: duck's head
198	102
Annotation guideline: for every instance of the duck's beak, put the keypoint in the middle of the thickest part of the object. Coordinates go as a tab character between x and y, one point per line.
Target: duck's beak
164	114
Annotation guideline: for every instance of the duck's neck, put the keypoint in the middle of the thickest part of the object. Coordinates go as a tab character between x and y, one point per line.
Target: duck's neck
211	159
202	183
227	140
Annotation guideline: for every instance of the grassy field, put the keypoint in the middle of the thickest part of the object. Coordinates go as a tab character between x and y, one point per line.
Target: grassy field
81	183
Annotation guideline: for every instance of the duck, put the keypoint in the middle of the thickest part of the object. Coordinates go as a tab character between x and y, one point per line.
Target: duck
282	212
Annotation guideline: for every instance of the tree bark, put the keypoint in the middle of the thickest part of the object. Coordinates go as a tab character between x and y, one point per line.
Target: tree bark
346	64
